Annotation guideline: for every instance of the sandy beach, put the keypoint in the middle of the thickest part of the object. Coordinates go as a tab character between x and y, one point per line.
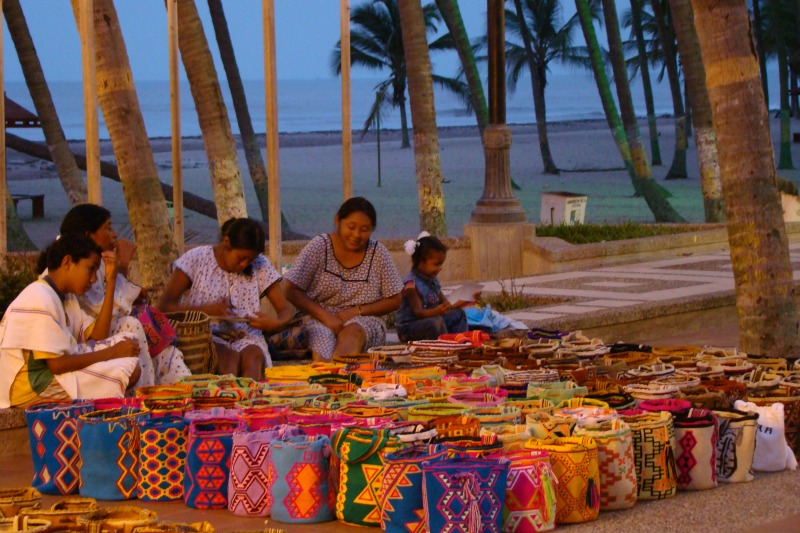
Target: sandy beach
311	182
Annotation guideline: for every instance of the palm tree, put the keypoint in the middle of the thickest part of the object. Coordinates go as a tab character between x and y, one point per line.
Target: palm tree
536	22
780	30
762	269
147	208
423	114
376	43
252	150
762	55
223	162
451	15
641	46
694	76
666	38
67	169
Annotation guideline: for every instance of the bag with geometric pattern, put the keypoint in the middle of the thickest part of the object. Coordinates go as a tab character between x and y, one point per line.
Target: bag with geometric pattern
55	445
696	436
614	440
530	493
653	453
301	492
736	445
401	488
162	457
110	447
208	462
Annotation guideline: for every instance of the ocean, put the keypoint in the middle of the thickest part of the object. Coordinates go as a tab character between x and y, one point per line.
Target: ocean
315	105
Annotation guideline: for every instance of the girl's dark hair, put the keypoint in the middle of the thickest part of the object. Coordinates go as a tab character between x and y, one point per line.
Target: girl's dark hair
75	245
425	246
358	204
84	218
244	234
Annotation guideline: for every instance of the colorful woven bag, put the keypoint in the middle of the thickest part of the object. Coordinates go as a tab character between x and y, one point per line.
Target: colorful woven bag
736	445
464	495
55	445
696	436
530	504
360	457
162	457
252	472
110	445
544	426
208	454
614	441
574	462
157	329
401	489
301	492
653	453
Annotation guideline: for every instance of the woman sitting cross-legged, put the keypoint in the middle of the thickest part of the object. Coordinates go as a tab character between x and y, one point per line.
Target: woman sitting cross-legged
346	282
50	348
227	281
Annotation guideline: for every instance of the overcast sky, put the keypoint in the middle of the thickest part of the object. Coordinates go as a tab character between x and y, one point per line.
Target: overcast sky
306	33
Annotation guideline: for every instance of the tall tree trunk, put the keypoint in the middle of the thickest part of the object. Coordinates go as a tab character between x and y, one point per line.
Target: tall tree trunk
795	101
223	163
404	140
705	139
654	195
423	113
455	25
666	38
537	88
252	150
636	21
762	269
67	170
785	157
762	54
687	105
147	208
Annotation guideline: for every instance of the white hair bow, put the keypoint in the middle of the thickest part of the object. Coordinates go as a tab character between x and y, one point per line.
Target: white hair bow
411	244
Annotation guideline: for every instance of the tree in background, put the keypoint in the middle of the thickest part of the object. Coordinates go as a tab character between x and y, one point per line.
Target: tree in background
376	43
147	208
705	139
762	269
66	167
637	7
252	150
223	161
423	114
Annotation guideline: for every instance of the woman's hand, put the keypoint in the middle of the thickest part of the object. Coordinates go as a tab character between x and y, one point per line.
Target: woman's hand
443	308
264	322
220	308
333	323
348	313
125	250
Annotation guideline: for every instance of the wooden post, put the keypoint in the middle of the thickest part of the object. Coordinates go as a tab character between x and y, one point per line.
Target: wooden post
3	185
175	118
347	134
273	165
86	8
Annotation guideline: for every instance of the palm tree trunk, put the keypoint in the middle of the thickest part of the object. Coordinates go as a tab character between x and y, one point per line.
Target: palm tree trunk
762	54
423	113
604	89
785	157
687	105
404	142
795	101
223	163
455	25
705	139
67	169
252	150
654	195
666	38
636	21
147	208
537	88
762	269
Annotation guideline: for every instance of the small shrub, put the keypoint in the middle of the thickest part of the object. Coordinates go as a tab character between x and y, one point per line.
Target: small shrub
16	273
592	233
512	298
787	186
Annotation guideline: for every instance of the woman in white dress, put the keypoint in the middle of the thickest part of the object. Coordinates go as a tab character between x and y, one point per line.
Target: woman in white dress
227	281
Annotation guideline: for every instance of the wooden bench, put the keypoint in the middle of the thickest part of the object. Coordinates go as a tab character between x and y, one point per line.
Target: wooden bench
37	203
